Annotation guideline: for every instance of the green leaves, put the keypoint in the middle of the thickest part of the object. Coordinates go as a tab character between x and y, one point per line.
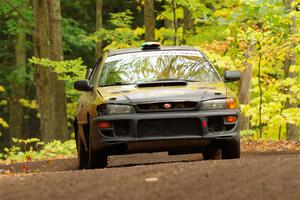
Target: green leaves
254	29
37	150
1	89
232	33
121	19
73	36
68	71
121	35
3	123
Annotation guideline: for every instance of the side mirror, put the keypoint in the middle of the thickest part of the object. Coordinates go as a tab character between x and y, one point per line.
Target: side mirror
88	73
83	85
230	76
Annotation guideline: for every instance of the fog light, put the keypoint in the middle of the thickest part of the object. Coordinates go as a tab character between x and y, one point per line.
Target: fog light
204	123
104	125
230	119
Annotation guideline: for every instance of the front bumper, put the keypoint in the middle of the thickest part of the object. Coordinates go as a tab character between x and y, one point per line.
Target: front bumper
147	132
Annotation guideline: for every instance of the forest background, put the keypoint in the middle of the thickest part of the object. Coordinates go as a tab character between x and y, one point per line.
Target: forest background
45	45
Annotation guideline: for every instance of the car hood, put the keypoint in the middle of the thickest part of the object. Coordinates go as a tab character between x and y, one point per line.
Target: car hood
193	91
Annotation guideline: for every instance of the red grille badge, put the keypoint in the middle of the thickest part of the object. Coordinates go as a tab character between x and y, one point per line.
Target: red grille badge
167	106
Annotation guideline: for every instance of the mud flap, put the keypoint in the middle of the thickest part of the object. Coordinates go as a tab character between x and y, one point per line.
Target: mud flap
81	135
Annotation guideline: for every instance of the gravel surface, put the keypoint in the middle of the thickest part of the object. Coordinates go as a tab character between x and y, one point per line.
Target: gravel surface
157	176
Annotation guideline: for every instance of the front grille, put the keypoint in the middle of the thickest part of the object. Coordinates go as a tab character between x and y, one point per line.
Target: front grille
169	127
121	128
215	124
172	106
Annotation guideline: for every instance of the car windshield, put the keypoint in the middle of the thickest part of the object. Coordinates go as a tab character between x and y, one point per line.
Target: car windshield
134	68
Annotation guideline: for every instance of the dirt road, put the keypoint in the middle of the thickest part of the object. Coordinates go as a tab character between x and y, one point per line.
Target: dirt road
158	176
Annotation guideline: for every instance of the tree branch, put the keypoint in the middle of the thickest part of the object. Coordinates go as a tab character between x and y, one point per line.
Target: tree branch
27	22
260	89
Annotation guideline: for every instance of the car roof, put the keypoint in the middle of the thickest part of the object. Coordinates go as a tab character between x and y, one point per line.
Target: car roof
162	48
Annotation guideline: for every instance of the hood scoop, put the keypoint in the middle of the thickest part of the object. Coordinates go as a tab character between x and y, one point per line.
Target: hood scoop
162	83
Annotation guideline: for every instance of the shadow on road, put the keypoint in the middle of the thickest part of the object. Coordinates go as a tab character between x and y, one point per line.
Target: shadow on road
132	160
114	162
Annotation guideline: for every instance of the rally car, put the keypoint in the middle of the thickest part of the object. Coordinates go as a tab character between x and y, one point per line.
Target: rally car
153	99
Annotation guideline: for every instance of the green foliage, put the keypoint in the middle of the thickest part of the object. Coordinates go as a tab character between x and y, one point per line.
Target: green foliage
13	10
266	26
69	71
28	104
121	19
2	88
249	134
37	150
121	35
3	123
72	36
224	30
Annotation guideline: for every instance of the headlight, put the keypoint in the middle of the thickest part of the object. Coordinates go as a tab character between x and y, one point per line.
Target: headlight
118	109
217	104
213	104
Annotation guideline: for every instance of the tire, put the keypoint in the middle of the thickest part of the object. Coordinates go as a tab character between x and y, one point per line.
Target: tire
82	154
98	160
211	154
231	149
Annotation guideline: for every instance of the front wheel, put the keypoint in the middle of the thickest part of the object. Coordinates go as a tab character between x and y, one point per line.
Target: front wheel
211	153
231	149
82	154
98	159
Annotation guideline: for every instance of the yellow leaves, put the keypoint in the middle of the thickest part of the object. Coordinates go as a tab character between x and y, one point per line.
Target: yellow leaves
295	68
2	89
25	141
68	70
222	62
225	12
3	123
292	115
28	104
139	31
277	120
216	46
3	102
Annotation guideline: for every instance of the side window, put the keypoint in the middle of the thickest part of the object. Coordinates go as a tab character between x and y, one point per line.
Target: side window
96	70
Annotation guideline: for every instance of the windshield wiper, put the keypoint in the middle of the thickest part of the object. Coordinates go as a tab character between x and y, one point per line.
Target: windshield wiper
176	79
160	82
117	83
166	81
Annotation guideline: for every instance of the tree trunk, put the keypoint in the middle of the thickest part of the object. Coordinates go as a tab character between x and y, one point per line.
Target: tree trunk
99	14
292	131
245	86
149	19
187	23
50	91
174	21
168	24
18	85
